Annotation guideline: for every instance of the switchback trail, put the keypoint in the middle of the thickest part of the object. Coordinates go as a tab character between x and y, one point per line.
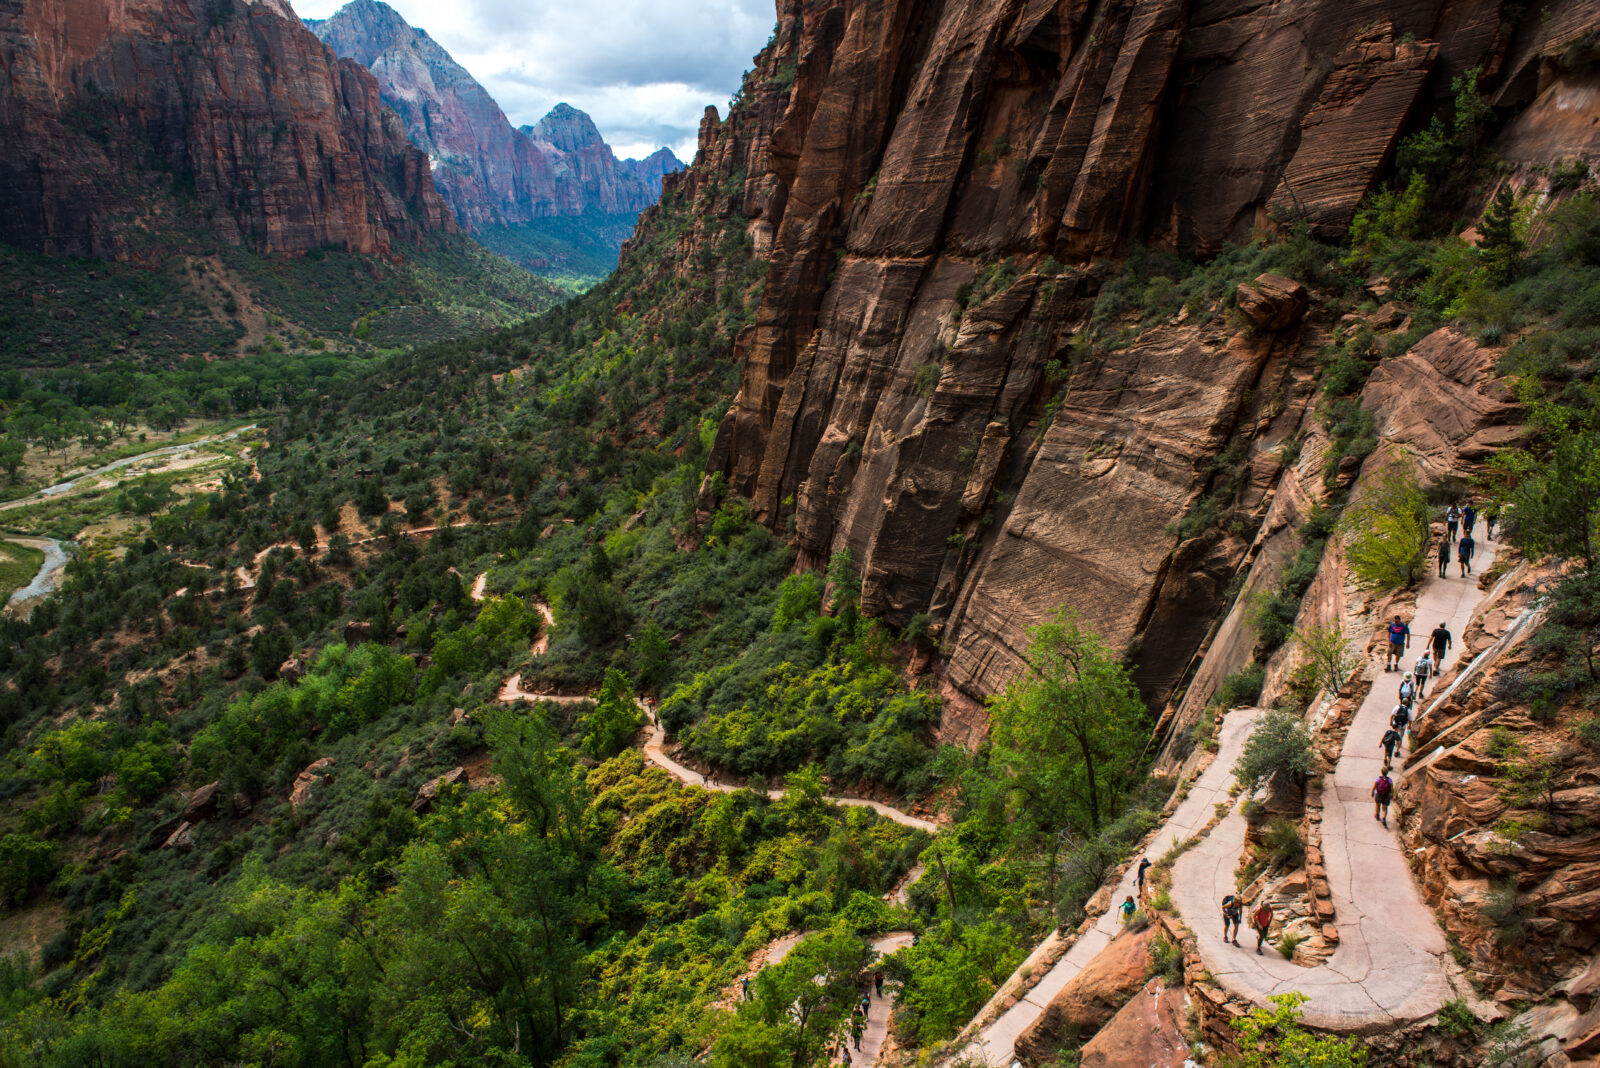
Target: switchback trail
1389	968
655	749
996	1044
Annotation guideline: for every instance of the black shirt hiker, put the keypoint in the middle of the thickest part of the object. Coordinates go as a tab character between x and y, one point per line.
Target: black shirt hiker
1444	557
1441	641
1391	744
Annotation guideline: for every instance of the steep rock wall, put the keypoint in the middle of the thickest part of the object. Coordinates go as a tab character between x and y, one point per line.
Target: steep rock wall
894	383
121	120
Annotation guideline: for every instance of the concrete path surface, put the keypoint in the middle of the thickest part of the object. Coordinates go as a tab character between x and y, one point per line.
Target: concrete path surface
1389	966
996	1043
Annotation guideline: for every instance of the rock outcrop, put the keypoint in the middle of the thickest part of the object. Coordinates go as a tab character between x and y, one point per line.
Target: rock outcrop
936	187
1090	998
489	171
124	120
1148	1032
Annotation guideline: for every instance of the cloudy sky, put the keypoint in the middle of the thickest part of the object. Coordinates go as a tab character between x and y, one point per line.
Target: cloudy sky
644	69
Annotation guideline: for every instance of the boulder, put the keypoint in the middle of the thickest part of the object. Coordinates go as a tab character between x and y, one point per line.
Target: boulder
314	773
430	789
203	803
357	631
241	804
182	839
292	670
1272	302
1091	997
1147	1032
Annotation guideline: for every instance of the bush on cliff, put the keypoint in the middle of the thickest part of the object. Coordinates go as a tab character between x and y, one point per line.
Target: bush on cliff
1385	530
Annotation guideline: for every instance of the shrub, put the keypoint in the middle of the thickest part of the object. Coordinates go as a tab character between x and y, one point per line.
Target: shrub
1328	654
1456	1019
1284	845
1288	942
1166	959
1385	531
1279	749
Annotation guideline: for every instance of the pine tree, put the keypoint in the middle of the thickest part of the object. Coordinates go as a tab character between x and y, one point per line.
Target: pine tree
1501	247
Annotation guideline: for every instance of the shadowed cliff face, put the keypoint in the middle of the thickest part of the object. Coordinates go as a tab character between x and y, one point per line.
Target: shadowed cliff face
123	118
894	384
488	171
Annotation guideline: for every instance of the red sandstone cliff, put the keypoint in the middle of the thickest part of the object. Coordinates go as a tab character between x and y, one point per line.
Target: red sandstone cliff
488	171
891	152
121	120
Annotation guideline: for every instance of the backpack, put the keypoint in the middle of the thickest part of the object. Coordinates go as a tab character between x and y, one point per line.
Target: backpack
1407	689
1385	787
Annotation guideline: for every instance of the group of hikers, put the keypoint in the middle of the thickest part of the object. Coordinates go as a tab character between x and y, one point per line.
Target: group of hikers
1413	685
1464	517
858	1022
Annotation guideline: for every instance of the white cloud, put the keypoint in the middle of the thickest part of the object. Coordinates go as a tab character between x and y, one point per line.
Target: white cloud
643	69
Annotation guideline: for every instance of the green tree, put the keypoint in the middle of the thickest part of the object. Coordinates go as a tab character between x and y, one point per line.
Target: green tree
1555	505
1278	751
1502	246
1385	529
12	452
1328	653
799	1008
1275	1038
1071	730
799	600
652	658
614	719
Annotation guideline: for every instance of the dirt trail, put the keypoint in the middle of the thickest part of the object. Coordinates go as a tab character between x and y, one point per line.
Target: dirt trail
1392	964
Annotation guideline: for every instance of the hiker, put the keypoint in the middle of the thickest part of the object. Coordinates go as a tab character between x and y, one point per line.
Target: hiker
1408	691
1400	718
1464	549
1491	516
1444	557
1144	866
744	987
1382	791
877	983
1263	922
1391	745
1232	909
1452	519
1128	909
1399	641
1422	672
1441	641
858	1025
1469	515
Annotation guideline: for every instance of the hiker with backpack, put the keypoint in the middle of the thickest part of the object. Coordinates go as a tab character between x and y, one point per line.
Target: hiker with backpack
1444	557
1391	745
1382	792
1491	516
1400	718
1262	920
1144	866
1399	641
1469	515
1422	672
1408	690
1464	549
1232	909
1452	519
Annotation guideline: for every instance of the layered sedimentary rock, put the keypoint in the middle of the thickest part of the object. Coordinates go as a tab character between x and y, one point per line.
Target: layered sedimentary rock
939	189
120	118
489	171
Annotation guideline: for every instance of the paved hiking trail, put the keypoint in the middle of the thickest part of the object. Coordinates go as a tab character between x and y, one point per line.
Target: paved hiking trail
655	749
1389	967
996	1044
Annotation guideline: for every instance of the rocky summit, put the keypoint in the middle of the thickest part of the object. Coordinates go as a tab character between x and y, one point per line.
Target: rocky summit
488	171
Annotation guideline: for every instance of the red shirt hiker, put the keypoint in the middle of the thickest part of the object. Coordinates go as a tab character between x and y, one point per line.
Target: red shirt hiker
1263	921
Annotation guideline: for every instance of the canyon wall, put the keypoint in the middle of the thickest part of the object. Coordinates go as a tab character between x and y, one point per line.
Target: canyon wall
488	171
122	121
940	189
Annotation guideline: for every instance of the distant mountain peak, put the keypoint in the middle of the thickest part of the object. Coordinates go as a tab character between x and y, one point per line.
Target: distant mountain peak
489	172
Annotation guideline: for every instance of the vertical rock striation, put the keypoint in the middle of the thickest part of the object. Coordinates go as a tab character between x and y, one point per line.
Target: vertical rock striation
122	120
938	186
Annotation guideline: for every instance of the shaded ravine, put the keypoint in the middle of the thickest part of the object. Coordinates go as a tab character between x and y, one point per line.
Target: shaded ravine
1391	966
